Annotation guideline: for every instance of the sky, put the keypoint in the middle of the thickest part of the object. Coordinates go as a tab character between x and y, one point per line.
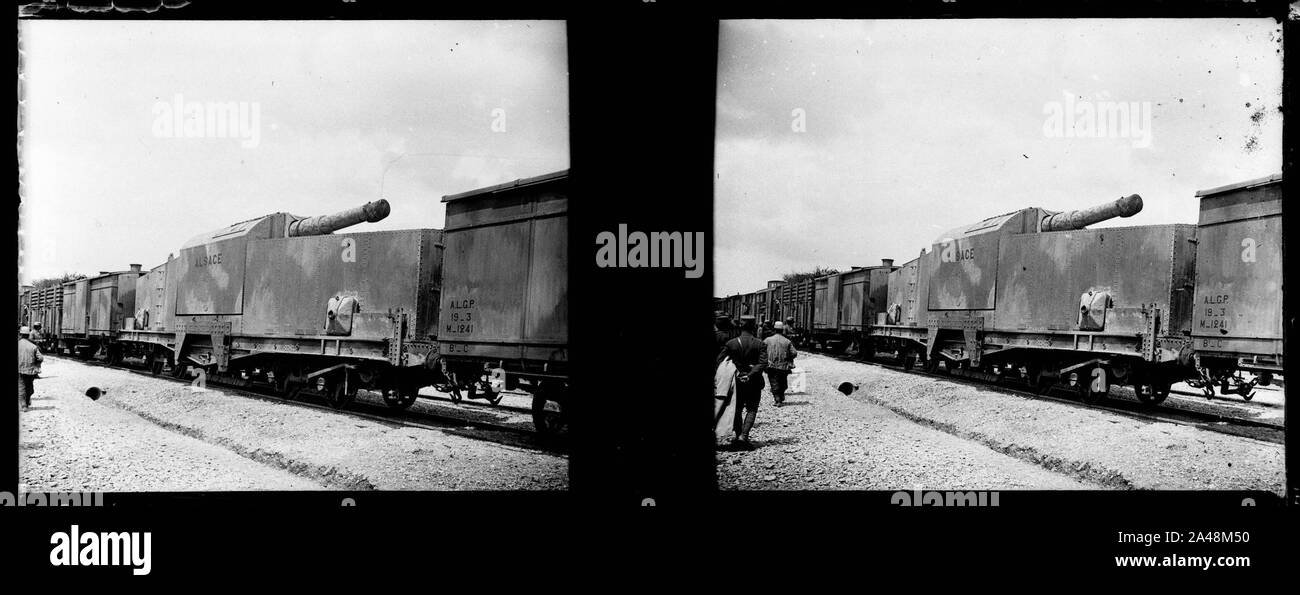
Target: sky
332	112
840	143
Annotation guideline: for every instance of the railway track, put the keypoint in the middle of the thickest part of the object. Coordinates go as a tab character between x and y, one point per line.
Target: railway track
1236	426
471	420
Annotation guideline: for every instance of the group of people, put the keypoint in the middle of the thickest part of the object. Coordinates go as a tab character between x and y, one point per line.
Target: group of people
29	363
743	358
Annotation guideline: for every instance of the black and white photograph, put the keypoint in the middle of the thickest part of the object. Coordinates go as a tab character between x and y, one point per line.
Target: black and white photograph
999	254
293	256
993	286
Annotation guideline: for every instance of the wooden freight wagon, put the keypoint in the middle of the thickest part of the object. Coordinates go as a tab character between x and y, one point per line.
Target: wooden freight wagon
504	312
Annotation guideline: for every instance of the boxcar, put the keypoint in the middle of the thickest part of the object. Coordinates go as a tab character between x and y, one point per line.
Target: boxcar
504	311
1236	321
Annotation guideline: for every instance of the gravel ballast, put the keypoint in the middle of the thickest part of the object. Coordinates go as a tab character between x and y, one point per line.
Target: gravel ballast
824	440
68	443
320	449
1091	445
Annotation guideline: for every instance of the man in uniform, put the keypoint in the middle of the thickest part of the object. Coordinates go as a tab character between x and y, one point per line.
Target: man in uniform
780	359
750	357
29	366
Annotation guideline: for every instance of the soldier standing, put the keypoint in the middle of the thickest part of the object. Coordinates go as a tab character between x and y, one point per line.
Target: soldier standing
29	367
780	358
750	357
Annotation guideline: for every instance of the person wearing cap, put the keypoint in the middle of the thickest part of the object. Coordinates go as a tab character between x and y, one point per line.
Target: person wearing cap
780	359
29	366
36	336
750	358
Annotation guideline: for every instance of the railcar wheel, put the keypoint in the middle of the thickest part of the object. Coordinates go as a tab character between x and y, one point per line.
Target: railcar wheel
280	382
1160	393
909	360
1028	374
338	397
1043	381
998	371
548	416
932	365
1151	393
156	366
1087	394
401	398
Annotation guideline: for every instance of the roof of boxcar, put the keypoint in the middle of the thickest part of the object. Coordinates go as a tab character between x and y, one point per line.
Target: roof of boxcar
520	183
1241	185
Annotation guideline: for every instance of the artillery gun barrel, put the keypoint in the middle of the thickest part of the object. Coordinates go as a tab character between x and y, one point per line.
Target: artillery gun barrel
1122	207
324	224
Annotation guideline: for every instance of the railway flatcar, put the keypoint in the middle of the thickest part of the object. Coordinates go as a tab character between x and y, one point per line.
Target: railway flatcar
1035	294
286	303
282	300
